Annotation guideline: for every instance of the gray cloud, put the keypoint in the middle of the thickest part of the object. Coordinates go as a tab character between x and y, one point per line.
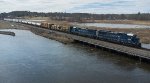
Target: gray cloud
89	6
2	1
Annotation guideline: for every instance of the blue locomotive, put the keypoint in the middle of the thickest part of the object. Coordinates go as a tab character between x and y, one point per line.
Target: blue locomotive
115	37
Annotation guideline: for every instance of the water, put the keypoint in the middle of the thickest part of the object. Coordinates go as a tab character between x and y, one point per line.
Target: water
146	46
28	58
109	25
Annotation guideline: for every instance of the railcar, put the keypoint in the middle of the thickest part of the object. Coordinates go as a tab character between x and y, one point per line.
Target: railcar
83	32
59	28
119	37
38	24
46	25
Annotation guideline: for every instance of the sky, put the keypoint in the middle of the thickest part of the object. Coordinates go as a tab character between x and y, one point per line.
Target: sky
77	6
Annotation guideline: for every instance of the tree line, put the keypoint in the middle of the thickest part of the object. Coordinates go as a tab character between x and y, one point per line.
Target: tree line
76	17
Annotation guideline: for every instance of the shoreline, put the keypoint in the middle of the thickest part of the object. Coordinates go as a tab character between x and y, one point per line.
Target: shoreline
7	33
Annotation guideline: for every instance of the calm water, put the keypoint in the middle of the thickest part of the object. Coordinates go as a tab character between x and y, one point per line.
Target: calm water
114	25
28	58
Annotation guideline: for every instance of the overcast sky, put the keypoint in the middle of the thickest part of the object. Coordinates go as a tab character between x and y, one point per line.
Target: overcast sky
82	6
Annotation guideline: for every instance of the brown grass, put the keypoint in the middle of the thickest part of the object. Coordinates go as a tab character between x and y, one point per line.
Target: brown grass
5	25
10	25
36	18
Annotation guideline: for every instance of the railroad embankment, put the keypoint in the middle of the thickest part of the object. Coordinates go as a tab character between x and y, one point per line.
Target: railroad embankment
51	35
140	54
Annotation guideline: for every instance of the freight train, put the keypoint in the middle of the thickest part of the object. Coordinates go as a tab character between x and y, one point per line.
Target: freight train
122	38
